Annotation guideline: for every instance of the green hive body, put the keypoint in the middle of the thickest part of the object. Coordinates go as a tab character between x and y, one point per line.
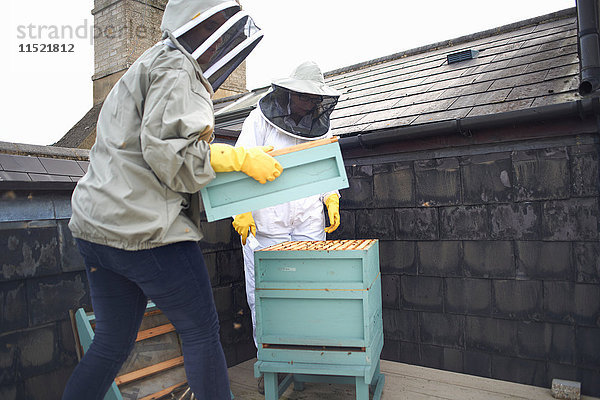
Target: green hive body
318	312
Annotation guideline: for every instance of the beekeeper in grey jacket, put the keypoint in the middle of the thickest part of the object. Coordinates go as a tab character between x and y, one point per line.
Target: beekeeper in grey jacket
135	211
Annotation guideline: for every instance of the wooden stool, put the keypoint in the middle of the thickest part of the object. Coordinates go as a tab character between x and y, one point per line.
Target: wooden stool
150	376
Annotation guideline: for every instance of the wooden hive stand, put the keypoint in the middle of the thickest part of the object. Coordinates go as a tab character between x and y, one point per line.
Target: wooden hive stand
319	315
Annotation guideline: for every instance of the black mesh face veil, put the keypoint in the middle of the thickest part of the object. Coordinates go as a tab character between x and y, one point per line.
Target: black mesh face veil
238	43
298	114
219	39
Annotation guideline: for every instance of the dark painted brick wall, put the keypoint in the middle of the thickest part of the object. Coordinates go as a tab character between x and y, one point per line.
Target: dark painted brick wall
42	278
490	266
490	257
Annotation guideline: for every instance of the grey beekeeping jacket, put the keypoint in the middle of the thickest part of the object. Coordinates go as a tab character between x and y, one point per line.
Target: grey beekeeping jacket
151	152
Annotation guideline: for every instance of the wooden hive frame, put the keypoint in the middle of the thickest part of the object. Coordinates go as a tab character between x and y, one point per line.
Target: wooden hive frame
317	245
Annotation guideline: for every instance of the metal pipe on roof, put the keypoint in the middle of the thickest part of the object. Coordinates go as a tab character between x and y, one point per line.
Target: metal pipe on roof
589	45
464	126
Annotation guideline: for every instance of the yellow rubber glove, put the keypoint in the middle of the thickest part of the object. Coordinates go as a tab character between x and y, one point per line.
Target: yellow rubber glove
242	223
253	161
333	210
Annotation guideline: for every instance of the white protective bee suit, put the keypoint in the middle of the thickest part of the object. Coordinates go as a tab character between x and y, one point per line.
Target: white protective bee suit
271	124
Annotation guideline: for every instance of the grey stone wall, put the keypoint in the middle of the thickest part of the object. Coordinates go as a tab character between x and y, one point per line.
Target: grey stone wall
42	278
489	255
123	30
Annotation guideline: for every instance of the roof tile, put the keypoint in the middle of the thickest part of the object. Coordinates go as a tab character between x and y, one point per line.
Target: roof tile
84	165
62	167
556	98
16	163
519	80
441	116
14	176
393	123
49	177
500	107
492	96
518	66
538	89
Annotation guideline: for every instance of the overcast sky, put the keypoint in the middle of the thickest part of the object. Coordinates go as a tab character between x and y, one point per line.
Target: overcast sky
45	94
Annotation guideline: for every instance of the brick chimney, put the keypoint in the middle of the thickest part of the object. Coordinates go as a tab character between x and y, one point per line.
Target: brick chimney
123	30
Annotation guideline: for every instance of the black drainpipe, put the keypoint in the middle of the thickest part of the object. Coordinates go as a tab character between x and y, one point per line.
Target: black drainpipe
589	45
464	126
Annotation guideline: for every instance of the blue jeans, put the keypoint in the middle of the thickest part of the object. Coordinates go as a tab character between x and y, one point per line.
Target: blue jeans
175	278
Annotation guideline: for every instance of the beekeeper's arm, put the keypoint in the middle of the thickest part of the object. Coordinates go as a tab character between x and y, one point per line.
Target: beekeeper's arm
248	156
176	123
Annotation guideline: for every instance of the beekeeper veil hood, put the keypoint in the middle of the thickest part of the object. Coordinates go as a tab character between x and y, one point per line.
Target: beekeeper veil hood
300	106
216	33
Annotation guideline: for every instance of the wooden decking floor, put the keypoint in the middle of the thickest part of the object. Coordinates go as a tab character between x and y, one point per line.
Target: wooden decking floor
402	382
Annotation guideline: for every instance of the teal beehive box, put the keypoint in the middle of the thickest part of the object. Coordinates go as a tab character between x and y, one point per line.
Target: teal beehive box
310	168
318	310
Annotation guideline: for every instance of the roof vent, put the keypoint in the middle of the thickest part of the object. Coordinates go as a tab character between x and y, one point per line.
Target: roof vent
463	55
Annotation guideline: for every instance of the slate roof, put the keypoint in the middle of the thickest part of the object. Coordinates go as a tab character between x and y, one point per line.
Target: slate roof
30	166
521	65
81	131
527	64
231	113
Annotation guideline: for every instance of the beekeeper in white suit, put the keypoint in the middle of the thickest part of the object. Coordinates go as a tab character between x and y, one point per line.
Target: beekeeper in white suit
133	212
296	110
